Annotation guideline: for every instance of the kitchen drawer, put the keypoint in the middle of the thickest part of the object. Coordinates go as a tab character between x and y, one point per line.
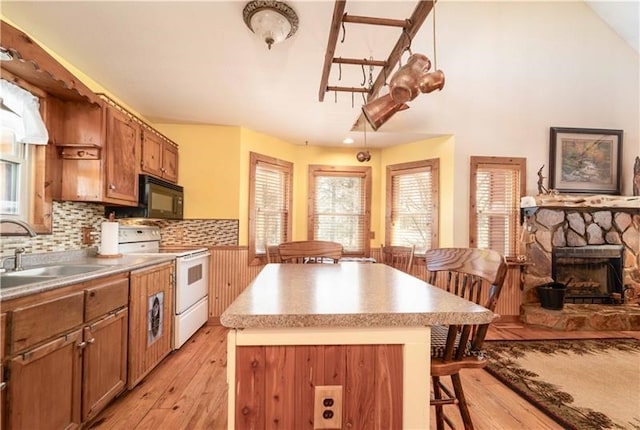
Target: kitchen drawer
36	323
106	295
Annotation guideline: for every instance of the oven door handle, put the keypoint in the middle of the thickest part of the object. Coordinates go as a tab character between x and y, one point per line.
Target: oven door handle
194	256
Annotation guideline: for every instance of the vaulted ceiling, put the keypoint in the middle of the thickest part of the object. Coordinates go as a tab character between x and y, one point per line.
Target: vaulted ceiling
197	62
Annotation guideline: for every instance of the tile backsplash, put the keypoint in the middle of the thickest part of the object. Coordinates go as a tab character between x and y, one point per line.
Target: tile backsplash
70	217
68	220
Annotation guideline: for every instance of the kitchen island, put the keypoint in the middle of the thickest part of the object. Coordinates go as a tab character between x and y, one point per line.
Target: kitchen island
363	329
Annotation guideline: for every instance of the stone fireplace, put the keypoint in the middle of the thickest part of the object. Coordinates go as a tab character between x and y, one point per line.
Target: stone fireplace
594	246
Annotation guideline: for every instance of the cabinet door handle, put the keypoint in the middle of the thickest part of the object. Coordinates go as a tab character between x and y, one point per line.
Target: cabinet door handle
82	345
3	385
112	187
92	340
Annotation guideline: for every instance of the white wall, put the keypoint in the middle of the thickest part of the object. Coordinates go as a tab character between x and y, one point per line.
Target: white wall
526	67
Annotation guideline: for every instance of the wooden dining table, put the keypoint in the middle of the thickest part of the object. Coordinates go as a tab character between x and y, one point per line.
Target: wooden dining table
360	329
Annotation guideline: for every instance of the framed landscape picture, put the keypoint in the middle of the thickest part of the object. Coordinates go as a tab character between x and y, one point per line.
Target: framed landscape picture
585	160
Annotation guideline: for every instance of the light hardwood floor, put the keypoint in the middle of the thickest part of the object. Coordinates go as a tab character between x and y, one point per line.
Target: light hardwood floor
188	389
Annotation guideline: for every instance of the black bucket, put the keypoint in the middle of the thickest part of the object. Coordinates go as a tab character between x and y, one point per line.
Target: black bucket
551	295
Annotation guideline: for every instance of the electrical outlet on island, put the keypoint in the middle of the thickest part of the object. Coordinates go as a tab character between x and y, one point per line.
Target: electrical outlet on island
327	407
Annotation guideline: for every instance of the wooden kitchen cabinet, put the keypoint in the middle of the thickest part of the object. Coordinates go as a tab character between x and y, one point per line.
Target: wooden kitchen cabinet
44	385
150	319
121	157
104	362
100	169
45	363
67	353
159	156
3	384
105	336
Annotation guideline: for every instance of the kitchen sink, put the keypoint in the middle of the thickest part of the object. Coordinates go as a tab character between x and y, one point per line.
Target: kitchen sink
54	271
44	273
18	281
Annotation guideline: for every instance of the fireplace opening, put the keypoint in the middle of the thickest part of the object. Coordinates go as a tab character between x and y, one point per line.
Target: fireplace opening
592	274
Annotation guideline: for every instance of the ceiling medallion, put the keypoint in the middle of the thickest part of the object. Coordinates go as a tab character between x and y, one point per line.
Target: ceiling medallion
273	21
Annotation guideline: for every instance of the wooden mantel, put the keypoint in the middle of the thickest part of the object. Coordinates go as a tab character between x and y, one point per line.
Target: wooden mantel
589	202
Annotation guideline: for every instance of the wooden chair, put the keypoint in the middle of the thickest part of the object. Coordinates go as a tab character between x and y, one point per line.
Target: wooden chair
310	251
476	275
400	257
273	254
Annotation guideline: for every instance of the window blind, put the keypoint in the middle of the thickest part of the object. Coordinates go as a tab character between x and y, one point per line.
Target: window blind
411	209
497	207
272	196
339	210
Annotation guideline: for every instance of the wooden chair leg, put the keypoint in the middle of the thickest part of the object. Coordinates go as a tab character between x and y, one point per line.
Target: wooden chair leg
462	401
437	394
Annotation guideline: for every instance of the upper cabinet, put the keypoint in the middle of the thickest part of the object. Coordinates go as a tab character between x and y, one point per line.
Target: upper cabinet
122	157
159	156
95	151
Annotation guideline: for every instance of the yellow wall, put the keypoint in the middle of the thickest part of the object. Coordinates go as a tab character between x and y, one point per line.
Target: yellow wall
208	169
214	169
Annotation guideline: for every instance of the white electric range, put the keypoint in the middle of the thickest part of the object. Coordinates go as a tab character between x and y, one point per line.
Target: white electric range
191	299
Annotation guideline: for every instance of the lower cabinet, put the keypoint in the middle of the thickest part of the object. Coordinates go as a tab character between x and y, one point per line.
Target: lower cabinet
104	362
67	355
44	385
150	324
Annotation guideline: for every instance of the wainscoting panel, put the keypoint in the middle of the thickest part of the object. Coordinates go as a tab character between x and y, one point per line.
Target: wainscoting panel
231	274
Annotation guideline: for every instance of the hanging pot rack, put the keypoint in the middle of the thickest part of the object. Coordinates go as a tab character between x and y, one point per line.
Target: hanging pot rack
410	28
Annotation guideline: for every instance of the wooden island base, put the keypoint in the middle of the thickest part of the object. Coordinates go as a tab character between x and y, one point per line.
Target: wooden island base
384	374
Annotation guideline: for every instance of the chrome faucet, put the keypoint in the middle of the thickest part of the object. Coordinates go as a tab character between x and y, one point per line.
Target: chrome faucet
28	229
18	259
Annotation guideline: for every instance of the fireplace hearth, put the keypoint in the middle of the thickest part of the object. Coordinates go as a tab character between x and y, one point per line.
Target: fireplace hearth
593	273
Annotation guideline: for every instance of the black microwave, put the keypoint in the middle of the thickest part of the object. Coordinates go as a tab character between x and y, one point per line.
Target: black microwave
156	199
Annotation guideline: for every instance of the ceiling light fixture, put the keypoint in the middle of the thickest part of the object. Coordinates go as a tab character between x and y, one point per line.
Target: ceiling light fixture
348	141
273	21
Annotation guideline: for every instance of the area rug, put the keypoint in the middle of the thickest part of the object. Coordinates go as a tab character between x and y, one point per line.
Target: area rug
581	384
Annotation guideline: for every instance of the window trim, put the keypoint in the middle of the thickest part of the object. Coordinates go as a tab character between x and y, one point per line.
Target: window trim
520	164
433	165
254	159
44	161
345	171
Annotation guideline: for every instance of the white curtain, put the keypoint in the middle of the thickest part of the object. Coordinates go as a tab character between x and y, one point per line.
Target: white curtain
25	119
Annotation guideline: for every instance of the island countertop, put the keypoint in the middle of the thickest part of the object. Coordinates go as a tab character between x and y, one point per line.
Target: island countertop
346	295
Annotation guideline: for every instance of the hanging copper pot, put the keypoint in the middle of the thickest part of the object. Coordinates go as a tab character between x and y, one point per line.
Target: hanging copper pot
432	81
404	84
381	109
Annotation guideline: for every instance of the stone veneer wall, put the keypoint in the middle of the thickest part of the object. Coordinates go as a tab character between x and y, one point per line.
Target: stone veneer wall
70	217
546	228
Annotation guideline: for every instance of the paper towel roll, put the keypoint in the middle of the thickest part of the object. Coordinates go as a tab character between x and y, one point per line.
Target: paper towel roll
109	238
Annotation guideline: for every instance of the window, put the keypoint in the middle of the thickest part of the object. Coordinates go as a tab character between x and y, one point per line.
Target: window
21	127
340	207
412	205
270	194
497	183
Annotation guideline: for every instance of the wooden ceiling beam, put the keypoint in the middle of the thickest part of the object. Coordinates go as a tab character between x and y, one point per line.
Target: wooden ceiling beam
338	10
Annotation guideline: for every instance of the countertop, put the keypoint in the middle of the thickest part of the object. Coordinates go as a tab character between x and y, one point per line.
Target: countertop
346	295
111	266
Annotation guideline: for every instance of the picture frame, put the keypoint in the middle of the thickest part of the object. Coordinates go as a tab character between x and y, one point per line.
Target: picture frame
585	160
